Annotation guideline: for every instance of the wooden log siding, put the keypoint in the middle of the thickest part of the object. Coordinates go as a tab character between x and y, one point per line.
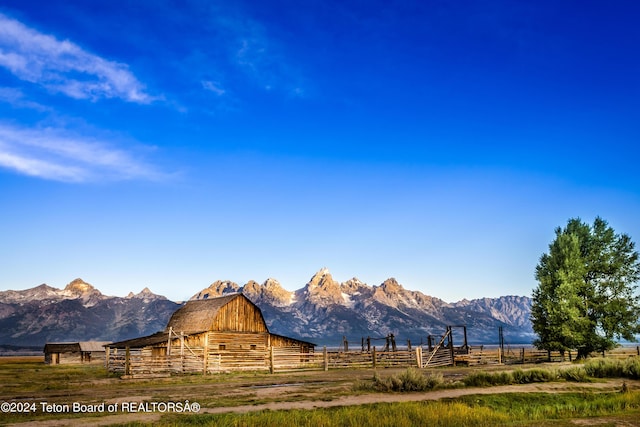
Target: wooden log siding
232	351
282	341
237	341
239	315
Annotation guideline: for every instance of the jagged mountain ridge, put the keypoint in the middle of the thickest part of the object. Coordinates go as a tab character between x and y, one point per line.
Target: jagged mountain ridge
79	312
323	311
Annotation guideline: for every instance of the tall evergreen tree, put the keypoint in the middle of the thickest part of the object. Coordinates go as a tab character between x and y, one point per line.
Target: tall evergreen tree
586	296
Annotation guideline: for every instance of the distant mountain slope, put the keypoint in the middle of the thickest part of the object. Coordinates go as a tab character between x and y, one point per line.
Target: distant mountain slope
79	312
323	311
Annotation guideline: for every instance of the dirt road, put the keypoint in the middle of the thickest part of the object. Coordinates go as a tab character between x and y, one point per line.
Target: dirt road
278	399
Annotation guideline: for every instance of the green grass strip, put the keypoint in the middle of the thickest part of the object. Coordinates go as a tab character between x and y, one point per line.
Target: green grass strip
474	410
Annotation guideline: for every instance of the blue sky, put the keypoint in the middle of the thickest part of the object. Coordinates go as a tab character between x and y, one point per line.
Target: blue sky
170	144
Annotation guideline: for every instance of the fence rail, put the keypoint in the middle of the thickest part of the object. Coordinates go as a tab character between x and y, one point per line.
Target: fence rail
135	362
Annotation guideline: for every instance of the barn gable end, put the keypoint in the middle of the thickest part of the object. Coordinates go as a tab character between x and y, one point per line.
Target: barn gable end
229	313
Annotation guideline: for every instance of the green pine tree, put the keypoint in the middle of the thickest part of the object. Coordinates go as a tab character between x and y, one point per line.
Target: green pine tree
586	296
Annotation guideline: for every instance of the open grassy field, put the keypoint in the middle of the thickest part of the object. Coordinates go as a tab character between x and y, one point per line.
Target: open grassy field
603	390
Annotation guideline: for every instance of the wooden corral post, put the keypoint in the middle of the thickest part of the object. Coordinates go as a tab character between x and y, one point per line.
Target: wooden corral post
373	357
127	361
499	356
272	367
522	355
325	355
205	355
419	357
107	354
453	356
466	344
182	367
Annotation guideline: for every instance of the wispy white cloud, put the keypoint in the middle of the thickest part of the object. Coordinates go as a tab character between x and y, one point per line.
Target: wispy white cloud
214	87
60	155
252	51
64	67
17	99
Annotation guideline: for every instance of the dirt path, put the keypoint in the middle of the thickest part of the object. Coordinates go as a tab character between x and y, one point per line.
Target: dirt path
416	397
361	399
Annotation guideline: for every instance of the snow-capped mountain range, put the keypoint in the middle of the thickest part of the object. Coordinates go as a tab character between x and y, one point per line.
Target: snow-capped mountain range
323	311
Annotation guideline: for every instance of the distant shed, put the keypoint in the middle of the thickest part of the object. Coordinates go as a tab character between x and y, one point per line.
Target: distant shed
224	333
56	353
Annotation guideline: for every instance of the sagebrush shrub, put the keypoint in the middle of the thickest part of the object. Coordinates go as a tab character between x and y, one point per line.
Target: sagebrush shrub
409	380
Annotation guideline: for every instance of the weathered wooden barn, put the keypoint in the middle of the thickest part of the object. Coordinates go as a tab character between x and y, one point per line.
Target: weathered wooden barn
212	335
56	353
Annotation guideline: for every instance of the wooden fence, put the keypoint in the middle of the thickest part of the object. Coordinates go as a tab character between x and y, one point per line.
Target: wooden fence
135	362
480	355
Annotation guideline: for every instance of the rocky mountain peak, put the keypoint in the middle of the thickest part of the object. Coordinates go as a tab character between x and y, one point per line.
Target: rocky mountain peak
323	290
270	292
79	287
322	277
391	286
83	291
217	289
272	284
145	294
42	293
353	286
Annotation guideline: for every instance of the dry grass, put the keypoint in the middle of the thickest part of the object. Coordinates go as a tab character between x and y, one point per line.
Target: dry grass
29	379
21	359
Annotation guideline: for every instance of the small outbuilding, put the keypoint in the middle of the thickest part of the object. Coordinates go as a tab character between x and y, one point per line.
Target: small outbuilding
224	333
56	353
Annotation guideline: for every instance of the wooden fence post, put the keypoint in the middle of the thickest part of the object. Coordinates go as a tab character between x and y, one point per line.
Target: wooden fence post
127	361
522	357
499	356
419	356
107	355
451	352
272	368
205	355
326	358
182	361
373	357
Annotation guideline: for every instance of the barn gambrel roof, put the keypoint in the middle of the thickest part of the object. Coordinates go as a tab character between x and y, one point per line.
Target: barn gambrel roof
199	315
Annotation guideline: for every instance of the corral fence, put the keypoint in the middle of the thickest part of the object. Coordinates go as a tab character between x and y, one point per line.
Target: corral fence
141	362
491	355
